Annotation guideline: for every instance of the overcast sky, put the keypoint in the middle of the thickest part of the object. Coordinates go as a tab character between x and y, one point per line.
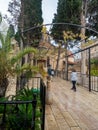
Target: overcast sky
48	7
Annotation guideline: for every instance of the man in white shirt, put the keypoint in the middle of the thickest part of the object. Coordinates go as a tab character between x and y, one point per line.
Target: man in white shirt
74	79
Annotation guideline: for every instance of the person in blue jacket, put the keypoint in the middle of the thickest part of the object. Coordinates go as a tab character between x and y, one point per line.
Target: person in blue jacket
49	70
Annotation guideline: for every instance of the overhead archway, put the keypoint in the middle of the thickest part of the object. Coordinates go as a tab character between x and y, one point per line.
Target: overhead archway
87	49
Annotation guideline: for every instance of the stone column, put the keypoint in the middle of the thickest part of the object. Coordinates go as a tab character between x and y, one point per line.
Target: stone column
49	98
83	68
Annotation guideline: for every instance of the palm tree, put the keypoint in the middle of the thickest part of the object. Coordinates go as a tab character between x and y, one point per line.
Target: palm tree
4	66
9	65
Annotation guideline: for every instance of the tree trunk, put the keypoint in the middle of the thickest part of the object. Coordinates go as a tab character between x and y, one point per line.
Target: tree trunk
83	30
58	59
66	62
83	15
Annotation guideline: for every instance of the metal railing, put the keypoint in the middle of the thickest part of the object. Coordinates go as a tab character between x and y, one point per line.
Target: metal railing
83	80
94	83
23	114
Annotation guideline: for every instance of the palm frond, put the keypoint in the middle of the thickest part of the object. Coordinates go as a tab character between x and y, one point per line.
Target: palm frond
1	38
0	18
22	53
25	68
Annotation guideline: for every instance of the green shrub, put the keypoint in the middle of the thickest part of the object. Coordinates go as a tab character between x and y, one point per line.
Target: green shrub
16	116
94	72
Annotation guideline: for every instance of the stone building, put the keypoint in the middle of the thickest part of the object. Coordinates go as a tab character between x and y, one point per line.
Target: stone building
50	56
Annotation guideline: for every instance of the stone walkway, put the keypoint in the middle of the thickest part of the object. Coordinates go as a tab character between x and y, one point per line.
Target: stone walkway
71	110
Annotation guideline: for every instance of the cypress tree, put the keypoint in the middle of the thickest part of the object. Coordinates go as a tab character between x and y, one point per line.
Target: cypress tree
92	14
68	11
28	15
32	12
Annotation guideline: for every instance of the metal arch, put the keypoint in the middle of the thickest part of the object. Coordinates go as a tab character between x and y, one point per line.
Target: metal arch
75	25
71	24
